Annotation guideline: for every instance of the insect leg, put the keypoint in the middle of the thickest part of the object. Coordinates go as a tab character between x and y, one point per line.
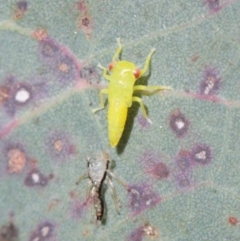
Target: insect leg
91	196
84	176
119	49
113	191
151	88
103	91
105	71
146	65
88	191
117	179
139	100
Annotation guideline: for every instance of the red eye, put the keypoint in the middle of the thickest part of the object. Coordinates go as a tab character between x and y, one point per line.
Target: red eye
136	73
110	66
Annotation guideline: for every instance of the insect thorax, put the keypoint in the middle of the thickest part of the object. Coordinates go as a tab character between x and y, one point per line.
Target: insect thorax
123	65
96	170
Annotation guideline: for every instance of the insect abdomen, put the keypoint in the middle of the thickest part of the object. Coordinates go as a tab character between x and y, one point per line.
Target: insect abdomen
98	206
117	115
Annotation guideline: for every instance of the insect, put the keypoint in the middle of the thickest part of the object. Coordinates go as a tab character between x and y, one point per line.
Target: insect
122	76
97	173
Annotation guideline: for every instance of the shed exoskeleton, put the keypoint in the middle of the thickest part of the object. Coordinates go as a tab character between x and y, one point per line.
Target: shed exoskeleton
97	173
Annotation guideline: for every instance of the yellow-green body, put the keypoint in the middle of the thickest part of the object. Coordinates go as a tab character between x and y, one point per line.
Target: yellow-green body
120	93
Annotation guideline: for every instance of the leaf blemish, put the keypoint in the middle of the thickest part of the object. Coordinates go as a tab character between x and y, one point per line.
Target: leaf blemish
153	164
36	178
67	69
183	161
44	231
213	5
178	123
39	34
233	220
16	158
20	95
60	61
22	5
9	232
60	146
183	180
84	20
78	209
183	169
90	74
142	231
81	6
142	197
143	122
151	231
136	235
4	93
20	9
201	154
211	81
15	95
159	170
49	49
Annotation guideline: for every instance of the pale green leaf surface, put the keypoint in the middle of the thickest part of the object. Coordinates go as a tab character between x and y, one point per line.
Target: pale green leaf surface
188	37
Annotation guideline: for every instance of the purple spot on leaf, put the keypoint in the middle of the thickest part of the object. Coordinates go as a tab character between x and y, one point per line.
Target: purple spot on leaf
35	178
9	232
183	180
44	232
20	9
136	235
159	170
18	95
90	74
49	49
211	81
142	197
201	154
77	209
142	231
142	121
60	146
22	5
213	5
178	123
183	161
153	164
60	61
85	22
15	95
